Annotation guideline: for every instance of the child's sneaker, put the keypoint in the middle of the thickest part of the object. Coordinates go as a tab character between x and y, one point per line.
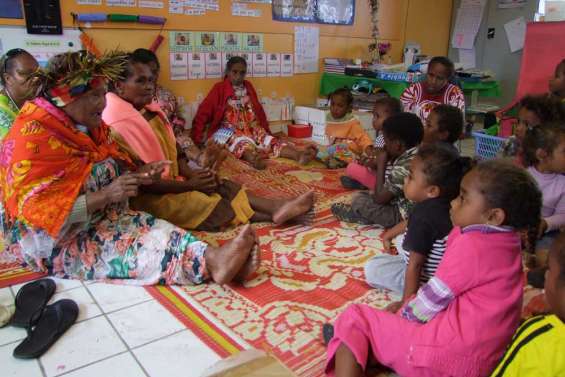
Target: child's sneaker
351	184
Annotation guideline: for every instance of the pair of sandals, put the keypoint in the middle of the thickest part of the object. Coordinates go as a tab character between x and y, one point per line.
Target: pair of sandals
44	323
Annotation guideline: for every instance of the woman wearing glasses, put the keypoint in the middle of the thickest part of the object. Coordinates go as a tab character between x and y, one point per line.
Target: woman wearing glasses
15	67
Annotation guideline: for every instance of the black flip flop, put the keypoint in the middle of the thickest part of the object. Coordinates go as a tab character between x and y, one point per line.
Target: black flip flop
31	298
53	321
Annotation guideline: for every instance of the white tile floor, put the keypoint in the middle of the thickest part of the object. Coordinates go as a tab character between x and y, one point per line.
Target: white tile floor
120	331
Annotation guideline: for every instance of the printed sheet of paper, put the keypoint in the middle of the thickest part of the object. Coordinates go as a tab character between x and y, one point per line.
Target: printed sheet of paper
239	9
467	23
176	6
89	2
178	65
252	42
213	5
231	41
196	66
554	11
516	33
306	49
213	65
273	65
151	4
468	58
287	65
194	12
180	41
207	41
259	64
249	59
121	3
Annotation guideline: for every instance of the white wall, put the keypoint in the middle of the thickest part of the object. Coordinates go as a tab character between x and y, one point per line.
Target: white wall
494	54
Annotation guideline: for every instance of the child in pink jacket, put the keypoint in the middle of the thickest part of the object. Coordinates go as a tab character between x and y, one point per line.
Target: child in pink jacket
459	322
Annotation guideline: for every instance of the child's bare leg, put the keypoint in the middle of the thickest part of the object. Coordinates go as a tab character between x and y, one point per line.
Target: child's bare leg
345	363
254	159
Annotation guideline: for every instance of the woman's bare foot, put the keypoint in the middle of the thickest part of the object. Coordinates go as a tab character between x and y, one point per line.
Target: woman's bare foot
250	266
293	208
307	155
255	159
225	262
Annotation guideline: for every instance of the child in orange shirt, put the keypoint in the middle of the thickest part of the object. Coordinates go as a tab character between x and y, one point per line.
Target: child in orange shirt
347	137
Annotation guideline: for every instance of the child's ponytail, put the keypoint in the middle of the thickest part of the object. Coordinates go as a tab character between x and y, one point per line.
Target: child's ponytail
545	137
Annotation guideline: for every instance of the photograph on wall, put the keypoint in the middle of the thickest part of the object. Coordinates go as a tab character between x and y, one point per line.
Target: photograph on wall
294	11
287	65
178	63
340	12
253	42
231	41
248	57
207	41
180	41
213	68
259	64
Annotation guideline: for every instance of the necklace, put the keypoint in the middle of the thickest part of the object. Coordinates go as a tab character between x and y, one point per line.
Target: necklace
10	97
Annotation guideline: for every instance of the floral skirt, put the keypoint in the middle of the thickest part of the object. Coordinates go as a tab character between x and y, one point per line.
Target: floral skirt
130	248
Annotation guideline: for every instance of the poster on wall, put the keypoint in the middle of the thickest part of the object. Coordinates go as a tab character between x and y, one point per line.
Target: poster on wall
339	12
178	65
273	65
43	16
213	68
231	41
180	41
196	66
249	59
259	64
306	49
252	42
11	9
207	41
287	65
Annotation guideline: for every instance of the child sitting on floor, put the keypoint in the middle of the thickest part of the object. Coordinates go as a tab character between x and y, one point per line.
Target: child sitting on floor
537	347
387	206
347	137
533	111
433	182
460	321
358	175
557	83
544	154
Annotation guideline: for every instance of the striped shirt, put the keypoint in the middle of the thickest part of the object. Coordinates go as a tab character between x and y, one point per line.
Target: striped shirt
429	225
537	349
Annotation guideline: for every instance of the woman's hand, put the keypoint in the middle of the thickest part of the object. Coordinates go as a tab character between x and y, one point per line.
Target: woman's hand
202	180
122	188
212	155
152	171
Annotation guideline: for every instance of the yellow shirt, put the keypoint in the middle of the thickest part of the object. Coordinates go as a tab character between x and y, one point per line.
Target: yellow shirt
537	350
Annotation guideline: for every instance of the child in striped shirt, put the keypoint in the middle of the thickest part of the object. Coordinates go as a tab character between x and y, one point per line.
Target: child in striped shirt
433	181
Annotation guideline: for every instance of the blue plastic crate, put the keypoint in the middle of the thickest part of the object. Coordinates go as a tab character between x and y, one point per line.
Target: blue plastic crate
486	146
